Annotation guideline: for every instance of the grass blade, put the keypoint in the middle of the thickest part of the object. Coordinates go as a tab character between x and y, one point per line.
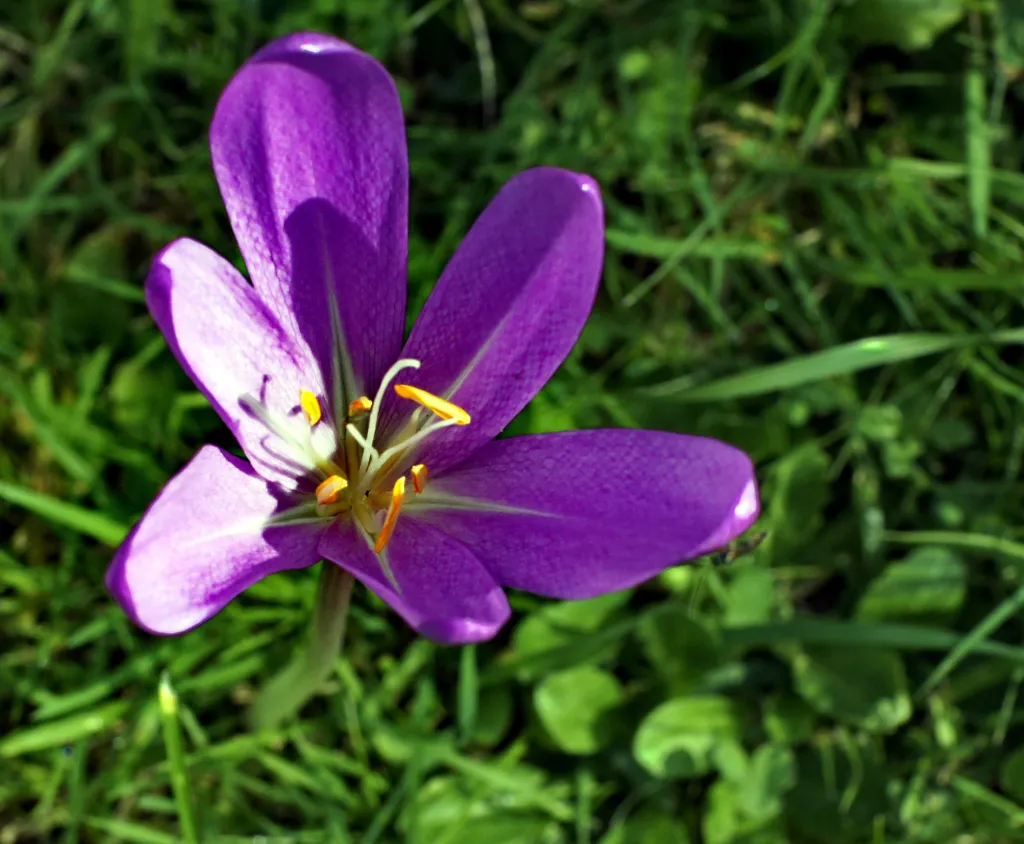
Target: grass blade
977	638
176	760
934	279
981	542
79	519
846	359
59	733
979	149
840	633
974	640
468	693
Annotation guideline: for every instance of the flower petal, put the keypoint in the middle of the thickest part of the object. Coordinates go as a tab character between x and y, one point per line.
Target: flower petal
201	542
231	346
446	594
605	509
510	305
308	146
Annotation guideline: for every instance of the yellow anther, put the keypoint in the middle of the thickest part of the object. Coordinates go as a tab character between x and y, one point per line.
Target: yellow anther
329	490
435	404
419	477
359	406
310	406
388	528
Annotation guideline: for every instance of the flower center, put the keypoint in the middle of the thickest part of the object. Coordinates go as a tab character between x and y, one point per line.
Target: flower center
367	479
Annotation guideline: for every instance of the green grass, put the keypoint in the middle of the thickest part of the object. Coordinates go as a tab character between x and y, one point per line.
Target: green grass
815	242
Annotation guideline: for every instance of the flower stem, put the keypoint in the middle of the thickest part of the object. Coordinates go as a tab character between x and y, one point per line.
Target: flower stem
286	693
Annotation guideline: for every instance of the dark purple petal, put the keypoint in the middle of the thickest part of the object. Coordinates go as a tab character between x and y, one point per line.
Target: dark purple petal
308	146
609	509
445	593
510	305
231	346
201	542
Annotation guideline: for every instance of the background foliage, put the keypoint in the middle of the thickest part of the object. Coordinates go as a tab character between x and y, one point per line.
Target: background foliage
814	252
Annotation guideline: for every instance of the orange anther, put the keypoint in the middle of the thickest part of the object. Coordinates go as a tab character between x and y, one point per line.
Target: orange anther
419	477
328	491
359	406
435	404
391	518
310	406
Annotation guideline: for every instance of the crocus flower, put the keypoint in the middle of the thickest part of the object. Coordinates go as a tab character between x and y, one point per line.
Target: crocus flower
377	456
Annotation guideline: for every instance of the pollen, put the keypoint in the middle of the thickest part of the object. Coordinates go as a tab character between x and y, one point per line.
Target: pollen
329	490
359	406
310	406
419	477
435	404
391	518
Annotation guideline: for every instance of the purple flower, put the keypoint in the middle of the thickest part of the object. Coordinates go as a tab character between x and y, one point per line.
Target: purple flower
379	457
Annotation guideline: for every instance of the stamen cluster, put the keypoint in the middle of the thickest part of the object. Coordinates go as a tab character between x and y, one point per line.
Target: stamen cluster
357	479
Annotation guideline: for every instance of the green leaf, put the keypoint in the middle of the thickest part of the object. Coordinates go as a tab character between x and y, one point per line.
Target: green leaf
677	739
928	585
951	434
681	648
494	716
726	822
865	687
507	827
908	24
985	808
564	626
746	803
645	826
572	705
99	263
455	810
1011	775
400	743
797	506
749	597
880	422
146	20
1008	20
930	815
142	397
840	792
788	719
771	773
514	786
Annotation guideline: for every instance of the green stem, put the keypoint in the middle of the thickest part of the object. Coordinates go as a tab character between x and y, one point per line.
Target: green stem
286	693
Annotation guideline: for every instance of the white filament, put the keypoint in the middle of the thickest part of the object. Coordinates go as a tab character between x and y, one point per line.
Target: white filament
371	428
381	459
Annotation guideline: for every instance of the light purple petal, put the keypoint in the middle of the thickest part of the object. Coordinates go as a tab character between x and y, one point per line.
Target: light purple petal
201	542
231	346
510	305
609	508
308	146
445	593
